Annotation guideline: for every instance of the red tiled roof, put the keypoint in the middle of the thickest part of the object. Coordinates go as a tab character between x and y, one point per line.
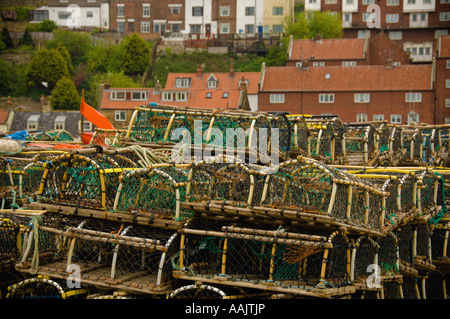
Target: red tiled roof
327	49
444	50
359	78
3	116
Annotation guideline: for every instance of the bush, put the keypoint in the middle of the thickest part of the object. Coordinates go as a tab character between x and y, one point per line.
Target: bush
44	26
65	95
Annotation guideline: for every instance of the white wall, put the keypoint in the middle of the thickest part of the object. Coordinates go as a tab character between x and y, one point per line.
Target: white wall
79	18
312	5
350	5
419	6
203	20
242	19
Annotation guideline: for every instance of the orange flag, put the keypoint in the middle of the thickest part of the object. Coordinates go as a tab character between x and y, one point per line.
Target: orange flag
94	116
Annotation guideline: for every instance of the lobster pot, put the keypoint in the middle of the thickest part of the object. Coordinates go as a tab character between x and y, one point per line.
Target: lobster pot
9	243
299	136
265	259
77	180
31	179
435	287
361	145
396	145
444	142
392	289
51	136
410	288
428	191
412	142
364	255
155	190
326	139
440	249
422	247
107	137
388	258
131	257
405	236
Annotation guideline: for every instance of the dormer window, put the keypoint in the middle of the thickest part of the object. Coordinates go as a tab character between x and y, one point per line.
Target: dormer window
182	82
118	95
212	82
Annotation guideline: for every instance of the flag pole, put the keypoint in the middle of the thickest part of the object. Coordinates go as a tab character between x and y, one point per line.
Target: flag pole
82	119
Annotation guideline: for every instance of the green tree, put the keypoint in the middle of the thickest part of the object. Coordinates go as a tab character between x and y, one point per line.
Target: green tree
136	55
77	43
46	66
6	38
104	59
65	95
66	56
6	72
26	39
318	23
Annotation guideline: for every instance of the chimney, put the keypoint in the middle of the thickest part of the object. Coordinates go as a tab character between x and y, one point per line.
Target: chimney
100	91
242	84
199	71
45	105
157	89
8	103
231	74
106	85
389	63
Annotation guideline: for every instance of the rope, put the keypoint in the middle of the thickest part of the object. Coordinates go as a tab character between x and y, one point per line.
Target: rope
150	156
35	260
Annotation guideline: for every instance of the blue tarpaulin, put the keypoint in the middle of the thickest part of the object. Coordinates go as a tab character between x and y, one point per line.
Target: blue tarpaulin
18	136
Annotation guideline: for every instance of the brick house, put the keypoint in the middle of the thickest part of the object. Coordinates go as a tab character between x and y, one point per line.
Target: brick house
151	19
397	94
414	24
379	50
443	80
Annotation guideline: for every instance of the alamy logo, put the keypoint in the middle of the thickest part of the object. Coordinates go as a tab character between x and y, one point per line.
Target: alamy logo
373	19
73	14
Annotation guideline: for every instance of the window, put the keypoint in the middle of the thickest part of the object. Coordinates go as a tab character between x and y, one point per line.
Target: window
298	64
277	11
315	64
146	10
426	1
196	28
276	98
440	32
32	122
444	16
330	1
448	64
175	27
321	64
145	27
120	26
411	1
208	95
349	2
363	33
368	1
115	95
368	16
361	97
413	117
326	98
138	96
361	117
225	95
395	35
224	28
89	14
182	82
87	126
447	120
249	11
62	15
249	28
277	28
181	96
167	96
392	2
447	83
120	115
348	63
447	102
445	1
212	82
39	15
197	11
120	11
391	18
60	122
175	10
413	97
312	1
224	11
378	117
396	118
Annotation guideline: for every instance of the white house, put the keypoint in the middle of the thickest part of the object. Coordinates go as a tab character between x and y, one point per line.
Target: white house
198	19
249	17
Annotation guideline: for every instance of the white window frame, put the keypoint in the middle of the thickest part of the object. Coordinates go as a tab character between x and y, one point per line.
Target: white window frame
361	117
277	11
145	26
167	96
116	98
224	11
413	117
182	82
145	8
413	97
142	96
395	35
348	63
224	28
277	98
121	9
60	123
87	126
448	64
444	16
447	83
181	96
447	102
368	17
120	116
396	118
326	98
361	98
367	2
212	83
378	117
392	2
361	32
392	18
